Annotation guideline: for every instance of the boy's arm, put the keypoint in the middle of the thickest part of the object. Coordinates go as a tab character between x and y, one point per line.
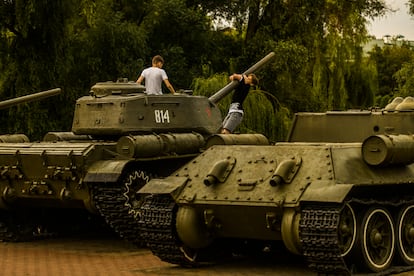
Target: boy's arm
169	86
140	79
236	77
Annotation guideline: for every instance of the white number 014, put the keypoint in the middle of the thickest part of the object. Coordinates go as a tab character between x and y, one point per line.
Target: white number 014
161	116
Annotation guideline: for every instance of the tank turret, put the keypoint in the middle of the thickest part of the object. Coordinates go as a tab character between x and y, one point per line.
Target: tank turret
353	125
120	139
120	108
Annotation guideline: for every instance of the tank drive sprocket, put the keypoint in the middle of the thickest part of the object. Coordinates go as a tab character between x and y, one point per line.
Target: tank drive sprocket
119	205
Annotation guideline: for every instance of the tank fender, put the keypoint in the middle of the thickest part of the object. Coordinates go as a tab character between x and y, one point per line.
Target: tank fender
105	171
335	193
169	185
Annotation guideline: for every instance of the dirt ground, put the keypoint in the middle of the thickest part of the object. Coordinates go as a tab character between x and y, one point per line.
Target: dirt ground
109	255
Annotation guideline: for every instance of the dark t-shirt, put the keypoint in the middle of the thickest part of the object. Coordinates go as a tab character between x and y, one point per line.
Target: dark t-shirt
240	93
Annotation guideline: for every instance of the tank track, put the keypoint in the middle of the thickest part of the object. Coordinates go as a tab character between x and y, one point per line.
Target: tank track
157	226
318	234
9	235
16	227
157	229
110	203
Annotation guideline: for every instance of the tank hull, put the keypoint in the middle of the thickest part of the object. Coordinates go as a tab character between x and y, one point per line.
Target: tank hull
343	214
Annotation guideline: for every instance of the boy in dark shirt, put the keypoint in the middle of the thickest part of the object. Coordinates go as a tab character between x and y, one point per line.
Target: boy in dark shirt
235	114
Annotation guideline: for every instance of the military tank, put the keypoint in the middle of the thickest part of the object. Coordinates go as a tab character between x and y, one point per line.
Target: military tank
120	139
339	192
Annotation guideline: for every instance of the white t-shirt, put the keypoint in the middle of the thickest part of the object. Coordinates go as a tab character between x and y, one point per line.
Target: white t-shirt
153	78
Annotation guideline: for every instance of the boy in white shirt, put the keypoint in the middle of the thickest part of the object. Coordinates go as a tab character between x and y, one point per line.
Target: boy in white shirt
154	76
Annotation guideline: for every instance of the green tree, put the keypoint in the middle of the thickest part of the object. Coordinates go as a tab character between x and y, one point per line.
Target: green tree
31	35
76	43
263	112
73	44
388	60
405	79
330	31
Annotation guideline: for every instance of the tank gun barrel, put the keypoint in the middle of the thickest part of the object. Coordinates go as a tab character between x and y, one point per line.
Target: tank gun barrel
229	87
29	98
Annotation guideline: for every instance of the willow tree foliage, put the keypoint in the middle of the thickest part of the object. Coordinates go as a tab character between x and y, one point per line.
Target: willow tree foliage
405	79
388	61
31	35
263	113
331	31
73	44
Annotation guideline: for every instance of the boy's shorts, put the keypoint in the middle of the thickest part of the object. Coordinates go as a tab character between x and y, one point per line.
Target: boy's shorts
232	121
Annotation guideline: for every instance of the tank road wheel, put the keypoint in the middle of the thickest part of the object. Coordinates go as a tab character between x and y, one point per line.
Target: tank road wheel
405	235
377	239
347	230
133	181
